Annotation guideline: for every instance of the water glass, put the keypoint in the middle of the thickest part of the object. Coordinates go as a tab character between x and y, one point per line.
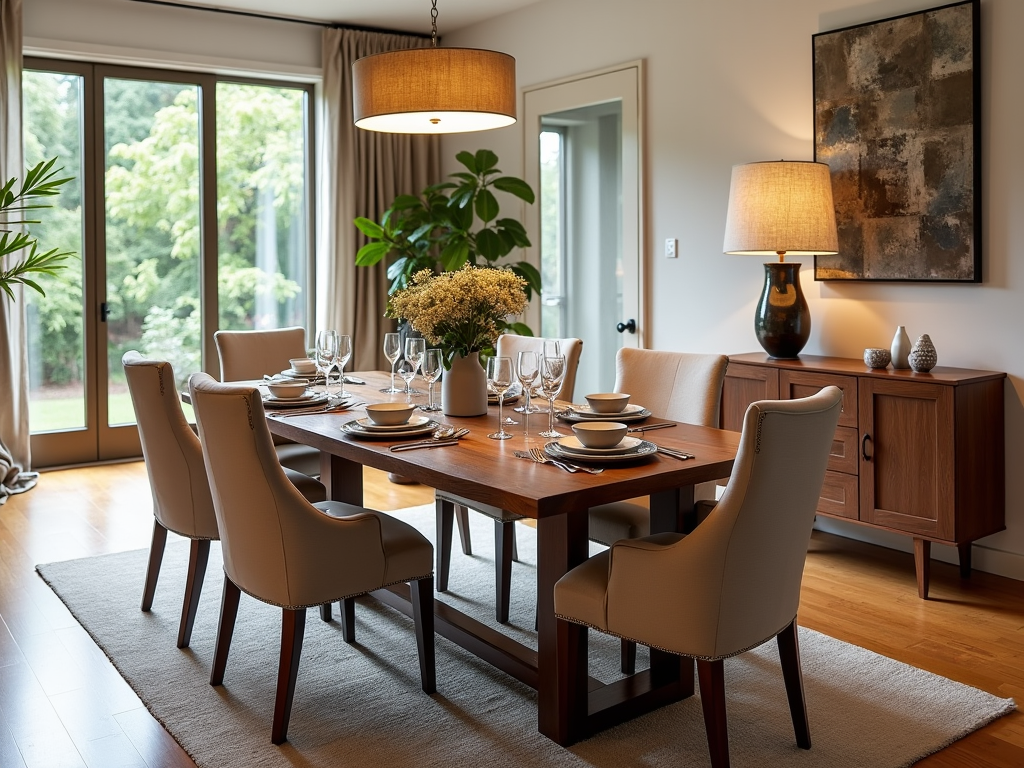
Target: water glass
326	353
414	350
430	368
408	372
528	369
392	351
552	371
344	355
499	380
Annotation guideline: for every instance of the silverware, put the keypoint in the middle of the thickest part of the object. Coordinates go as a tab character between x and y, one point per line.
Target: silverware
648	427
311	411
538	455
443	434
681	455
431	444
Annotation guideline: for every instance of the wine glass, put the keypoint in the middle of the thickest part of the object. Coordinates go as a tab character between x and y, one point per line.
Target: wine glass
392	351
326	354
499	379
407	371
414	349
552	371
528	369
344	355
430	368
552	348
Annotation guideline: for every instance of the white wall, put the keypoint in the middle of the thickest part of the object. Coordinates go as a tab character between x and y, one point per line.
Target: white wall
730	82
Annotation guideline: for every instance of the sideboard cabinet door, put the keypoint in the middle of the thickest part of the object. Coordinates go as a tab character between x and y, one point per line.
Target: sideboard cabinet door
745	384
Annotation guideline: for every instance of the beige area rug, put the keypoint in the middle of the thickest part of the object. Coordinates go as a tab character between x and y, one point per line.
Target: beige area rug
360	705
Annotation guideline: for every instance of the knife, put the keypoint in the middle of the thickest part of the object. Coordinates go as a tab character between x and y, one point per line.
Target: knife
415	446
647	427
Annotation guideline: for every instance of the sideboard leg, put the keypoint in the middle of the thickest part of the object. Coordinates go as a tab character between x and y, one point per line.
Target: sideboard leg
965	560
923	565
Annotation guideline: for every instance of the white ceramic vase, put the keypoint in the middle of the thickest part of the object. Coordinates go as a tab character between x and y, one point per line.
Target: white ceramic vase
900	349
464	388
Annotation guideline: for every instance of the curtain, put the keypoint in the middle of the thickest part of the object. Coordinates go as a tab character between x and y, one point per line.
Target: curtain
15	457
364	172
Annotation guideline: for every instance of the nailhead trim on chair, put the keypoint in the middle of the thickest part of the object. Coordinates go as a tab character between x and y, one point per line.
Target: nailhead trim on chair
333	599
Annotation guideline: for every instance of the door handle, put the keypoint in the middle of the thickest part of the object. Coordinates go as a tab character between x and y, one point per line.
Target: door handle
104	312
629	325
864	446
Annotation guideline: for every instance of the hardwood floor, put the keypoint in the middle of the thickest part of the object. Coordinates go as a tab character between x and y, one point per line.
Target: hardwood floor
63	704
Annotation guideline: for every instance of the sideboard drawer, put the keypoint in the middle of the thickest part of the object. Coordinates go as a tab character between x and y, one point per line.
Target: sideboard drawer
796	384
843	456
840	496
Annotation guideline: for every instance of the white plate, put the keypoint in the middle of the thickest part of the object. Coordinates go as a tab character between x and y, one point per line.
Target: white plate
572	444
414	422
314	398
629	414
355	430
291	373
642	451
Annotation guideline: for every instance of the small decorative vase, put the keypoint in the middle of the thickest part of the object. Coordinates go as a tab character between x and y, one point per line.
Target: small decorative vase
900	349
464	387
876	357
923	356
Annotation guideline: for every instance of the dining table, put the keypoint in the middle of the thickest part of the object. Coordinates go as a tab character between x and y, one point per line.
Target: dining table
571	705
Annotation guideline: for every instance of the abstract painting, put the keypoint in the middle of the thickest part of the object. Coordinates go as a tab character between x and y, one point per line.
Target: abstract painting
897	119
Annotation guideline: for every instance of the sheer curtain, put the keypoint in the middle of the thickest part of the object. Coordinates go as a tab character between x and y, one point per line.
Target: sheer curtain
363	172
15	455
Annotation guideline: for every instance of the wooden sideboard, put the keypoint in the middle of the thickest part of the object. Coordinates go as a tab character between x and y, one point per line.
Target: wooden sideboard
920	454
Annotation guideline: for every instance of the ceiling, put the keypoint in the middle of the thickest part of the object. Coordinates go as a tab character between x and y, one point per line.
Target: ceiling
401	15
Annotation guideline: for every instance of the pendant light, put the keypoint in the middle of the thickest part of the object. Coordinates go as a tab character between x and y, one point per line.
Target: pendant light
435	89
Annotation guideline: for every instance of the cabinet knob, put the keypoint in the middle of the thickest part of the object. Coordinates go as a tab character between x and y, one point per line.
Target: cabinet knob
864	446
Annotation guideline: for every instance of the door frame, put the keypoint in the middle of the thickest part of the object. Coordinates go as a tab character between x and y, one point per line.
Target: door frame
622	81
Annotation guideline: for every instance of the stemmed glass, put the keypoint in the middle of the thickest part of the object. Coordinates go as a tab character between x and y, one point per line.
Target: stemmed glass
528	369
407	370
414	349
326	354
430	368
552	348
344	355
499	380
392	351
552	371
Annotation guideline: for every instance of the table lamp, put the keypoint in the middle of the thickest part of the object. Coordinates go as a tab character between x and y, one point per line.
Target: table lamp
781	208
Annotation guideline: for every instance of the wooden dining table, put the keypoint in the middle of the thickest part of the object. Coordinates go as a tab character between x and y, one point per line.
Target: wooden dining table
487	471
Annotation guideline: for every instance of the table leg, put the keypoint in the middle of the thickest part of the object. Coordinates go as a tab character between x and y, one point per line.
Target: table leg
673	511
342	478
562	544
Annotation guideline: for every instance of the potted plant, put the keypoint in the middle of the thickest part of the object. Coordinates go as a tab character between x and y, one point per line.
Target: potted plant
40	181
435	231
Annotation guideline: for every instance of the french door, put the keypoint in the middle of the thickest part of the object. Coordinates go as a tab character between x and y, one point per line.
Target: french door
176	238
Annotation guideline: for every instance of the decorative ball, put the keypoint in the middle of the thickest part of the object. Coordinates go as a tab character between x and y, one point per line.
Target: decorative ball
875	357
923	356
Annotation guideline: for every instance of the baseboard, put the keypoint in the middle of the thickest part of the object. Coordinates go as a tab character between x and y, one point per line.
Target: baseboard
983	558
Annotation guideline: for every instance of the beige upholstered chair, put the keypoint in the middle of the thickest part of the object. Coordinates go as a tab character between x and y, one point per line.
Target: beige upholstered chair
284	551
177	477
732	584
449	506
248	355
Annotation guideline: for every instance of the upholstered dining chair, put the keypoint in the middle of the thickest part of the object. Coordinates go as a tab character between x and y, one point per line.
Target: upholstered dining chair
283	550
248	355
451	507
177	477
732	584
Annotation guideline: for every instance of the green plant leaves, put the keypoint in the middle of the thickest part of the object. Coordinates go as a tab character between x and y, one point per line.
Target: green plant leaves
516	187
368	228
468	160
485	160
371	253
486	205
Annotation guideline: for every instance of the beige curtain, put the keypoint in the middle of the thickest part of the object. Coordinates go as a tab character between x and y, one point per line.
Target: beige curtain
365	171
15	455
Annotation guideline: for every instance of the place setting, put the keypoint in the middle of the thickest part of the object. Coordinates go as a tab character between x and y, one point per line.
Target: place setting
600	442
389	421
606	406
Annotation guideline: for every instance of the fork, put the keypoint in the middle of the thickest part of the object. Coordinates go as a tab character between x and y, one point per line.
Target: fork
441	435
310	412
540	457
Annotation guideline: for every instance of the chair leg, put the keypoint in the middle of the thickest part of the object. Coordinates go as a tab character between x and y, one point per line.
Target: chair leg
225	629
423	618
348	619
711	675
293	626
444	512
462	518
199	555
515	546
504	534
789	654
156	557
627	657
326	612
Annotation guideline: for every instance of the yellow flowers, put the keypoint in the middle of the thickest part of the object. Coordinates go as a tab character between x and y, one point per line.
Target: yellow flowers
462	311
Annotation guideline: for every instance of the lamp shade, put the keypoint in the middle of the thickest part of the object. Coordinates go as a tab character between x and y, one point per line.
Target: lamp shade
781	206
434	90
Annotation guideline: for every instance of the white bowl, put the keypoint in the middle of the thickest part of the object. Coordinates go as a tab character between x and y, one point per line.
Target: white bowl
303	365
287	389
608	402
600	434
390	414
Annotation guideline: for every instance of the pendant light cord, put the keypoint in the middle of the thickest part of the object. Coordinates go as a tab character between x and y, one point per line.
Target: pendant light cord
433	24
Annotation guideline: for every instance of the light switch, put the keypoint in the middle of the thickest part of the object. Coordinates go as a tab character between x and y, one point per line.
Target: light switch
671	248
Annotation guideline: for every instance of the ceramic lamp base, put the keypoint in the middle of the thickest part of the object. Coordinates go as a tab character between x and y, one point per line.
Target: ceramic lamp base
782	320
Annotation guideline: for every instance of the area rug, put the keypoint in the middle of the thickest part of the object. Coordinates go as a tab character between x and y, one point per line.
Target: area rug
360	705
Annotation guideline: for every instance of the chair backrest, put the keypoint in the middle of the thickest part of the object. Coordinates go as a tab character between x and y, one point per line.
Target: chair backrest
677	385
276	545
735	581
174	457
510	345
247	355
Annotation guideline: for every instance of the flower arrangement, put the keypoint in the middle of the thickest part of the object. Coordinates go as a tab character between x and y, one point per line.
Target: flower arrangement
464	311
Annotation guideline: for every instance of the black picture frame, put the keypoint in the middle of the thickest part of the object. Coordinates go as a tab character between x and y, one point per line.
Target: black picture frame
897	117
